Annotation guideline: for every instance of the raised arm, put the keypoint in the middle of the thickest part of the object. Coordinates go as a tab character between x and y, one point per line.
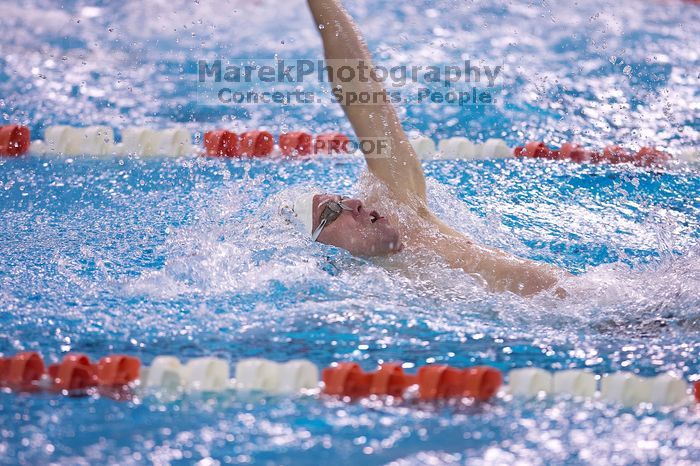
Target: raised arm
398	167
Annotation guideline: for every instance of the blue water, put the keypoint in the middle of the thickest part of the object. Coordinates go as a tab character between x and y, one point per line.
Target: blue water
191	257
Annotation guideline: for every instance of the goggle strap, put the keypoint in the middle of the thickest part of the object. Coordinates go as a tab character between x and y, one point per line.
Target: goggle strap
324	219
318	230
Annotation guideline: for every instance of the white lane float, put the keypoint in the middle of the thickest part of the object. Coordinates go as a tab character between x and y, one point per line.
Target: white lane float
457	148
174	142
68	140
424	147
165	372
668	390
297	375
38	147
529	382
460	148
574	382
206	374
625	388
494	149
143	141
62	140
97	140
212	375
138	141
257	374
689	155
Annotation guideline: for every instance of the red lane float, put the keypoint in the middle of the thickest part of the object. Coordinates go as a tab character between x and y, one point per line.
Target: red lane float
14	140
649	157
617	154
224	143
566	150
295	143
696	387
443	382
117	370
75	372
533	149
347	379
22	372
390	379
645	157
576	153
482	382
256	143
221	143
536	149
439	382
435	382
330	143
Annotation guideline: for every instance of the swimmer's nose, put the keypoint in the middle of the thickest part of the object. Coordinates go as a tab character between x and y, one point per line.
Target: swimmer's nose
355	205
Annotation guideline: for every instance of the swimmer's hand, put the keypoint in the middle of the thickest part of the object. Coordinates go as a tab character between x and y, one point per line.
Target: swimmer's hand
388	153
561	293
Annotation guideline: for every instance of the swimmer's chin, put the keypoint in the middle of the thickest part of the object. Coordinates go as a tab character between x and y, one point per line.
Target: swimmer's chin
393	250
395	246
390	250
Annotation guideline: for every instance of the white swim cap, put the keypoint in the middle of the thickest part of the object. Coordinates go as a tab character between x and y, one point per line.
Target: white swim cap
304	210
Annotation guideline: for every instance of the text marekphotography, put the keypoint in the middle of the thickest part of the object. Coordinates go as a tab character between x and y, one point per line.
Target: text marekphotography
350	82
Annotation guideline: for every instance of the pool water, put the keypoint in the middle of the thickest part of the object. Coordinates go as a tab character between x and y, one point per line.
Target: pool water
191	257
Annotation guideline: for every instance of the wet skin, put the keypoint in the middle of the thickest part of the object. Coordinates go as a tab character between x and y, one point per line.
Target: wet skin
362	231
364	234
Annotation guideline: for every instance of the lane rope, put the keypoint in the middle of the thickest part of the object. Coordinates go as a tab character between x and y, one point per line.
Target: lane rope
177	142
77	375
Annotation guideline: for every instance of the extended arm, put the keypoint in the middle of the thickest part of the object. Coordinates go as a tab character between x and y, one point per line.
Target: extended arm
398	167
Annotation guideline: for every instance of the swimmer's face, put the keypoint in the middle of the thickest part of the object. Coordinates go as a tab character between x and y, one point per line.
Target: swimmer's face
361	231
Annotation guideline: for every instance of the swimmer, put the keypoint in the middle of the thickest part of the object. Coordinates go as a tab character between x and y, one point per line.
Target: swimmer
363	231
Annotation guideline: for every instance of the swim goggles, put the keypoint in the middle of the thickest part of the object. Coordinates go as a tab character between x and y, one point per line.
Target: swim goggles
330	214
